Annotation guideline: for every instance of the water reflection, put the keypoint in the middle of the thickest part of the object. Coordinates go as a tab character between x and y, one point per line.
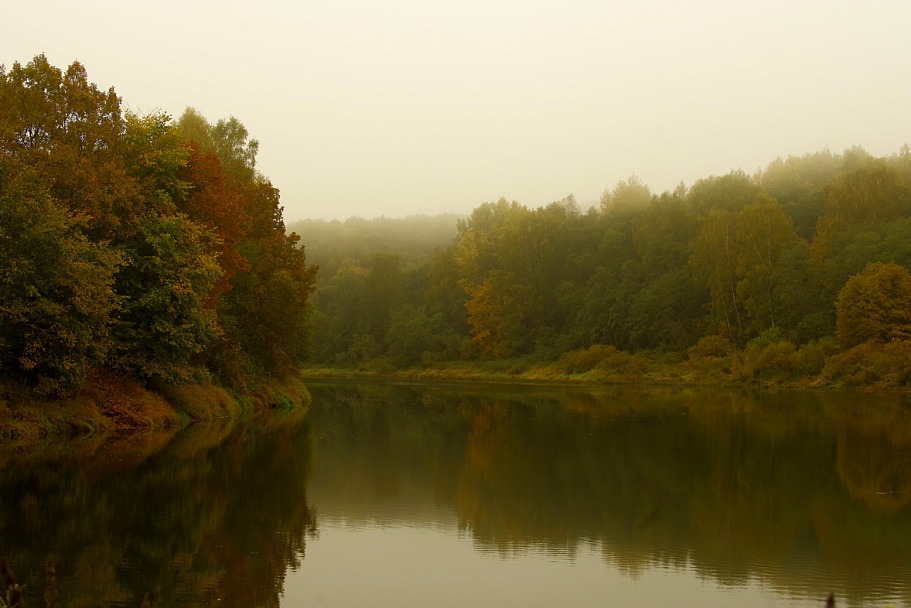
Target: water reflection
567	496
805	493
194	518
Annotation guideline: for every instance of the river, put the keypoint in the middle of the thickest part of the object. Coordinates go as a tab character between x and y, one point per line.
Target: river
391	494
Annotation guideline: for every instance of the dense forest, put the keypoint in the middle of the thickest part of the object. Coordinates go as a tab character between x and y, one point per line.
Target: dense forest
796	270
152	248
138	246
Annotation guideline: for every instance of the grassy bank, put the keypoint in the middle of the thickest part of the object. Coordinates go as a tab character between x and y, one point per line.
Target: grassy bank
777	364
111	405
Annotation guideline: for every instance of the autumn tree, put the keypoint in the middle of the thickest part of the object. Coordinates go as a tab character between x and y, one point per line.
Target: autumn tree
212	201
57	300
72	135
874	305
126	247
264	310
494	305
228	139
267	311
509	259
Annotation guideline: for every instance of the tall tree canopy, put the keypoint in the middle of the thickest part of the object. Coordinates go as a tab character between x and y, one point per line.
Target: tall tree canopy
125	245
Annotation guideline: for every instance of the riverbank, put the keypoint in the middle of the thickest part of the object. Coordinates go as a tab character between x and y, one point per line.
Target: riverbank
112	405
109	404
871	366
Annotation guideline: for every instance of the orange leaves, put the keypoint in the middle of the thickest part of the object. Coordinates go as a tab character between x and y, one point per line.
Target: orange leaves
123	239
71	134
873	305
217	205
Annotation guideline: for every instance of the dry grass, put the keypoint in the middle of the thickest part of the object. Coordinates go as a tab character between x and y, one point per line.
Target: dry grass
113	405
128	404
201	402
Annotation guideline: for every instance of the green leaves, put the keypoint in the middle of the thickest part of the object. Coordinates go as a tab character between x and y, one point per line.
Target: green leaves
56	288
163	324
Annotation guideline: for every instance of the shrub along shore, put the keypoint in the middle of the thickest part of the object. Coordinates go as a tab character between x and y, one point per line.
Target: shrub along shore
874	366
115	405
110	405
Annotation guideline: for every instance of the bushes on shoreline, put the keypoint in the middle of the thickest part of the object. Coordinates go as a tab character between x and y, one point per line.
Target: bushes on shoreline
777	363
110	404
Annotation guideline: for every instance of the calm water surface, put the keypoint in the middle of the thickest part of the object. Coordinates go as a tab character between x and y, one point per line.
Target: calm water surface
414	495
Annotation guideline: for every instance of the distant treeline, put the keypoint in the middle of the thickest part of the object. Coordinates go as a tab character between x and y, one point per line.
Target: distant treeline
805	259
153	248
137	245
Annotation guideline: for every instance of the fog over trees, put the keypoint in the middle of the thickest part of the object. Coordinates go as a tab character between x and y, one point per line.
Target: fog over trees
730	263
153	248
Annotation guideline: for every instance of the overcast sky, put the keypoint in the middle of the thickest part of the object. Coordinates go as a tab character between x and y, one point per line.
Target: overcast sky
398	107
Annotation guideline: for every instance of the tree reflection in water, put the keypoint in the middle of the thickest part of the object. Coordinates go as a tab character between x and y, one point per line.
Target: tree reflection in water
804	492
213	514
775	487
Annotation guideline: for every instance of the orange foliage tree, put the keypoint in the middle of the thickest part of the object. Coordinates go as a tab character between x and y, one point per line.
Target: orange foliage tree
873	305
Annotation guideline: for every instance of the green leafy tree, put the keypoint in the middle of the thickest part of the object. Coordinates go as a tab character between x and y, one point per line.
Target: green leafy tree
866	204
764	232
442	292
415	336
194	127
228	139
667	306
867	190
731	192
56	288
492	267
163	324
667	313
714	262
628	195
798	184
155	155
384	289
802	312
338	311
